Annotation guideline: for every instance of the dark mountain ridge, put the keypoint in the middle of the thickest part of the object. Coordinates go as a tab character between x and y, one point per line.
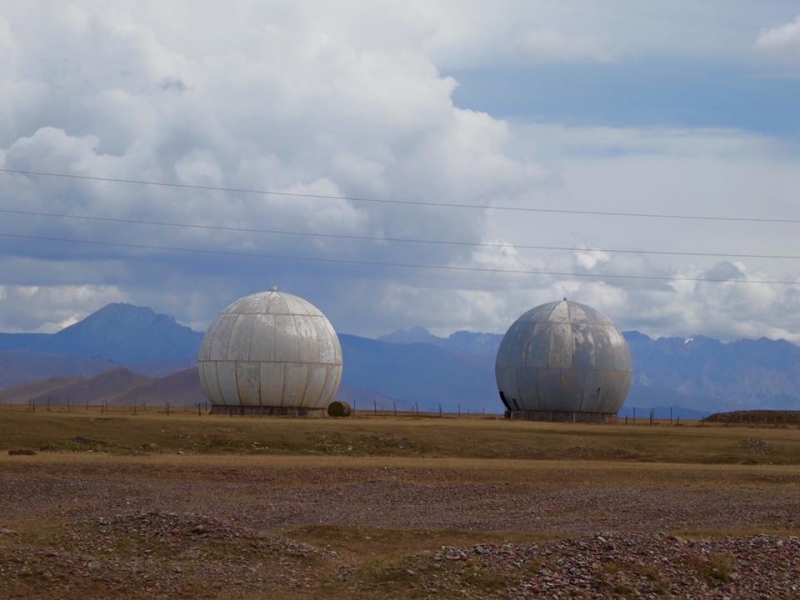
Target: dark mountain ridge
417	367
697	372
420	374
120	333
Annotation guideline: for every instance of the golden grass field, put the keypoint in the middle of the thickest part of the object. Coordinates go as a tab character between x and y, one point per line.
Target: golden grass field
182	506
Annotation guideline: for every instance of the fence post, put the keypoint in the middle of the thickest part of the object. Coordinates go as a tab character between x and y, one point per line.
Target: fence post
395	407
375	405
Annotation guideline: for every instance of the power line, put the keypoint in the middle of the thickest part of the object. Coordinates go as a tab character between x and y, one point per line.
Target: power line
564	211
397	264
391	239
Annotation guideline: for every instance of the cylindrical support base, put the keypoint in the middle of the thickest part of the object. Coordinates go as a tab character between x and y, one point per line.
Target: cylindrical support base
258	411
557	416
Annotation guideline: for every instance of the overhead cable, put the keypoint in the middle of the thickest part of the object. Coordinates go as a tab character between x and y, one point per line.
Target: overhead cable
400	264
530	209
347	236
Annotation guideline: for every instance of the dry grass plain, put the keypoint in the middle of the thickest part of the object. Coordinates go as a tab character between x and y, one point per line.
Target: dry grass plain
181	506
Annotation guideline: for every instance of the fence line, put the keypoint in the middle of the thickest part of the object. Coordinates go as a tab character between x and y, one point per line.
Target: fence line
635	416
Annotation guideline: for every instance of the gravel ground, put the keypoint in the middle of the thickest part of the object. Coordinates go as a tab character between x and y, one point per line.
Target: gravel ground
623	565
132	530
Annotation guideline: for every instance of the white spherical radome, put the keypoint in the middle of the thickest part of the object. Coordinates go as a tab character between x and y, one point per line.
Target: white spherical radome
271	349
563	357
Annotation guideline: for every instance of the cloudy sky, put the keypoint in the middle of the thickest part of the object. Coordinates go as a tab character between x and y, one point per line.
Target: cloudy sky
365	120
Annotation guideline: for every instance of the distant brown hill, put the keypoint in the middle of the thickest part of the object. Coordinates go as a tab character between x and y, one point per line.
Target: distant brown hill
20	394
179	389
106	387
22	367
182	388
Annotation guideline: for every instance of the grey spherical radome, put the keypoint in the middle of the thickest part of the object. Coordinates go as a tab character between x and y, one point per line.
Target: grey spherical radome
563	357
271	350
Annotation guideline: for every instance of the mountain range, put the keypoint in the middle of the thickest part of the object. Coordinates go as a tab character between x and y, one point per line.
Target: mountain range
148	355
120	333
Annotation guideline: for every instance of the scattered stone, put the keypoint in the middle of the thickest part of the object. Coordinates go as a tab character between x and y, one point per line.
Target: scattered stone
756	445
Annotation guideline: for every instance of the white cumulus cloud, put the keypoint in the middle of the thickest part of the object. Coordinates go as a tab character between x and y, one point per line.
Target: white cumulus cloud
357	101
782	40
